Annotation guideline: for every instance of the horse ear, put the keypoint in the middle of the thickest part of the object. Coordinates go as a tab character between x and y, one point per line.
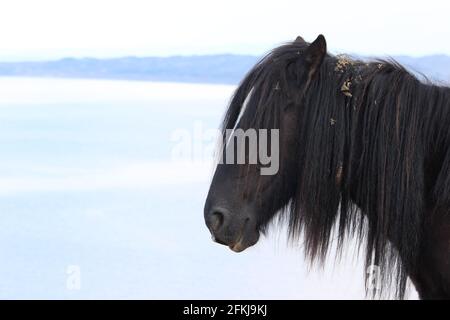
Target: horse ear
315	53
299	40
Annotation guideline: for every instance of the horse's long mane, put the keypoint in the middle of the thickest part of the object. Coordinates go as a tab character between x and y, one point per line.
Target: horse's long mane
372	138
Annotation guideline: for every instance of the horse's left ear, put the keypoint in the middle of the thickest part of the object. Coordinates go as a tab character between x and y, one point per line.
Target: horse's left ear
315	53
299	40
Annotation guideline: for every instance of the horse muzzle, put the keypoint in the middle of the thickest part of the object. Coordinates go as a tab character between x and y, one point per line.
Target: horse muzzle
234	231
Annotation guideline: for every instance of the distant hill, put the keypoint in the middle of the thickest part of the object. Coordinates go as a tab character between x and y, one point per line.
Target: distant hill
435	67
226	69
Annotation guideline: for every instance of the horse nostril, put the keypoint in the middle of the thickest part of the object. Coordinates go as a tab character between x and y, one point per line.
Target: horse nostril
216	220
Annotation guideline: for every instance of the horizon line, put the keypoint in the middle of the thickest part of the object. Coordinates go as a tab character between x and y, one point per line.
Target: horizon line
93	57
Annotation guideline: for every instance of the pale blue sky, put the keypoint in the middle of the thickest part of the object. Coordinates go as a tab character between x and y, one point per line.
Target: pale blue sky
56	28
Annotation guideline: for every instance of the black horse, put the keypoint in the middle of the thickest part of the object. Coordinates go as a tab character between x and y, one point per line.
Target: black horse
364	151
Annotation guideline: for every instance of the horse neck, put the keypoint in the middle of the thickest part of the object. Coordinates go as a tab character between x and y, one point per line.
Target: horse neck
400	152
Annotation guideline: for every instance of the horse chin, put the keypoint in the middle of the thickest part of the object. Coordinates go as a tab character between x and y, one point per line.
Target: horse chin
245	241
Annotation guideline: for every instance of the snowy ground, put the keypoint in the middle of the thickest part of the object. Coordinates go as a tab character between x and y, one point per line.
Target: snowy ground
94	205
